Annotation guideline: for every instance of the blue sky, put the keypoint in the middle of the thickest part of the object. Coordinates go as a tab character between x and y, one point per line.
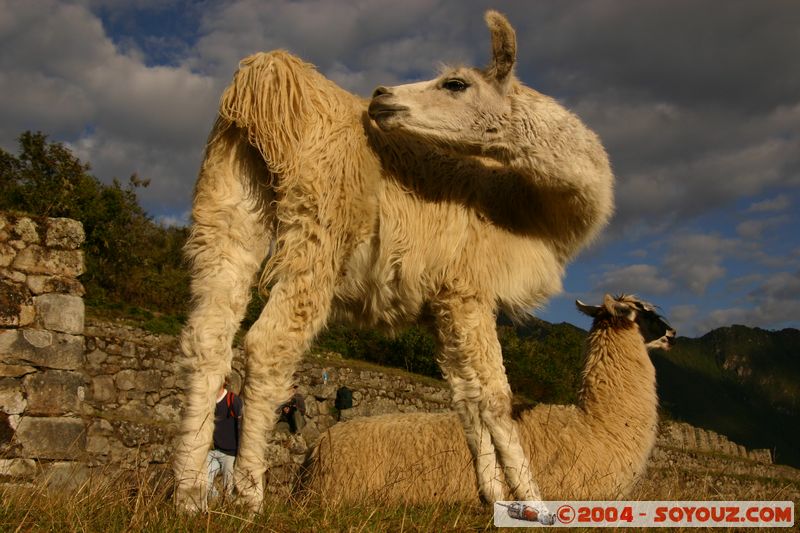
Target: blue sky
697	102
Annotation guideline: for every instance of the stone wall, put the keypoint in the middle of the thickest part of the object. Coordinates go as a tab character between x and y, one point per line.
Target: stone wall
42	379
136	386
76	399
686	437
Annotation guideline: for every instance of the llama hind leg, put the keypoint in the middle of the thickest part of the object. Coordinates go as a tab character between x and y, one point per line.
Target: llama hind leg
227	245
297	310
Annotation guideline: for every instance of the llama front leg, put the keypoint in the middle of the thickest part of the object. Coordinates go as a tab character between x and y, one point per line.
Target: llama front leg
296	311
472	354
466	394
465	385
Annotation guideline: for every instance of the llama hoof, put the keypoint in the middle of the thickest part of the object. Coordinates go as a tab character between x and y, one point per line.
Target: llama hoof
248	493
190	503
249	501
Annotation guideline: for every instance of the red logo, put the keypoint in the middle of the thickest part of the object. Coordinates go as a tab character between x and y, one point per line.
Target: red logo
565	514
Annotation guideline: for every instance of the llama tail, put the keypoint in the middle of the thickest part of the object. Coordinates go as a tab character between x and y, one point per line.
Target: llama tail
269	101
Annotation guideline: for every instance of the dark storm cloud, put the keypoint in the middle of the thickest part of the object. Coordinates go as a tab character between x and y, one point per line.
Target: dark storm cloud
697	53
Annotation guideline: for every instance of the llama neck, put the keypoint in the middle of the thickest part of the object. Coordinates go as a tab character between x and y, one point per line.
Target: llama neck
505	195
619	388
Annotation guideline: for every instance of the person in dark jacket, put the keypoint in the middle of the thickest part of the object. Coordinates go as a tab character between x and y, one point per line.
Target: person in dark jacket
227	419
293	411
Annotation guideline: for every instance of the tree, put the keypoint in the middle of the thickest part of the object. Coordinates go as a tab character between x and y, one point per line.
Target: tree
129	258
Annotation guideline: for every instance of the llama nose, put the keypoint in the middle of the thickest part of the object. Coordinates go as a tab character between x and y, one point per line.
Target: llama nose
380	91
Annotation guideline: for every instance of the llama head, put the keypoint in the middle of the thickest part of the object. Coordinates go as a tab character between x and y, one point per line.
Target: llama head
465	108
655	330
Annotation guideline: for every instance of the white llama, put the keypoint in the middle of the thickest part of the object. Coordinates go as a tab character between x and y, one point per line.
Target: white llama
594	450
445	200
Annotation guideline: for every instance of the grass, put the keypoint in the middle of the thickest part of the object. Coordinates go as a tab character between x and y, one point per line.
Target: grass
150	321
131	503
142	501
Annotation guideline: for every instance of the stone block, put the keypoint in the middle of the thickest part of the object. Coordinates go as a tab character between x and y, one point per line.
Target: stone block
323	391
168	381
26	230
66	476
97	444
13	275
54	392
135	410
51	437
125	380
168	409
40	284
60	312
148	380
37	260
741	451
18	468
312	406
101	425
27	314
15	371
12	297
42	348
103	389
96	357
12	400
701	437
64	233
7	254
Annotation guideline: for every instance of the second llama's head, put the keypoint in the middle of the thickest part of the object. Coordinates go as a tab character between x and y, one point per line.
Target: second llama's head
465	107
626	310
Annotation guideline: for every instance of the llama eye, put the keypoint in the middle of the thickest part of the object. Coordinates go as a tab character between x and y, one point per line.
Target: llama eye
455	85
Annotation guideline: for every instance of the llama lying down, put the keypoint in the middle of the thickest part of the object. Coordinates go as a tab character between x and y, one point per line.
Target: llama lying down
595	450
441	200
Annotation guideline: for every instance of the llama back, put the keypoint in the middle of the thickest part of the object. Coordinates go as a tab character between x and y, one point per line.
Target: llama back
412	458
417	458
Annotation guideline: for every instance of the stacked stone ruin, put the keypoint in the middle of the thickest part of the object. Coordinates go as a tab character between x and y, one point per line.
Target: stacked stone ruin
77	399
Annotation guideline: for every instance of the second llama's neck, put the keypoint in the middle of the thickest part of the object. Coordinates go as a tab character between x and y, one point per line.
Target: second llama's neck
619	385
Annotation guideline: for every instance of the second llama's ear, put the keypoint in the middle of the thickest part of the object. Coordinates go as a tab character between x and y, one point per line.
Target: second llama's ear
504	47
586	309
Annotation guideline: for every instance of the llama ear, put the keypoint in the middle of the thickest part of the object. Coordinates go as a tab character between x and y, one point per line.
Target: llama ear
590	310
504	47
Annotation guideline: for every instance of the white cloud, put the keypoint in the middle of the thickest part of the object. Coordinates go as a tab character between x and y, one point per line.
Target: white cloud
754	229
775	303
778	203
695	261
640	279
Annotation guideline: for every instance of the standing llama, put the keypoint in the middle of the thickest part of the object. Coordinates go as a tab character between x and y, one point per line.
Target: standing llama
443	199
594	450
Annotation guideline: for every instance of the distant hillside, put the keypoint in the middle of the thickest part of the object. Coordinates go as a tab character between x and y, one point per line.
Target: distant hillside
740	381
